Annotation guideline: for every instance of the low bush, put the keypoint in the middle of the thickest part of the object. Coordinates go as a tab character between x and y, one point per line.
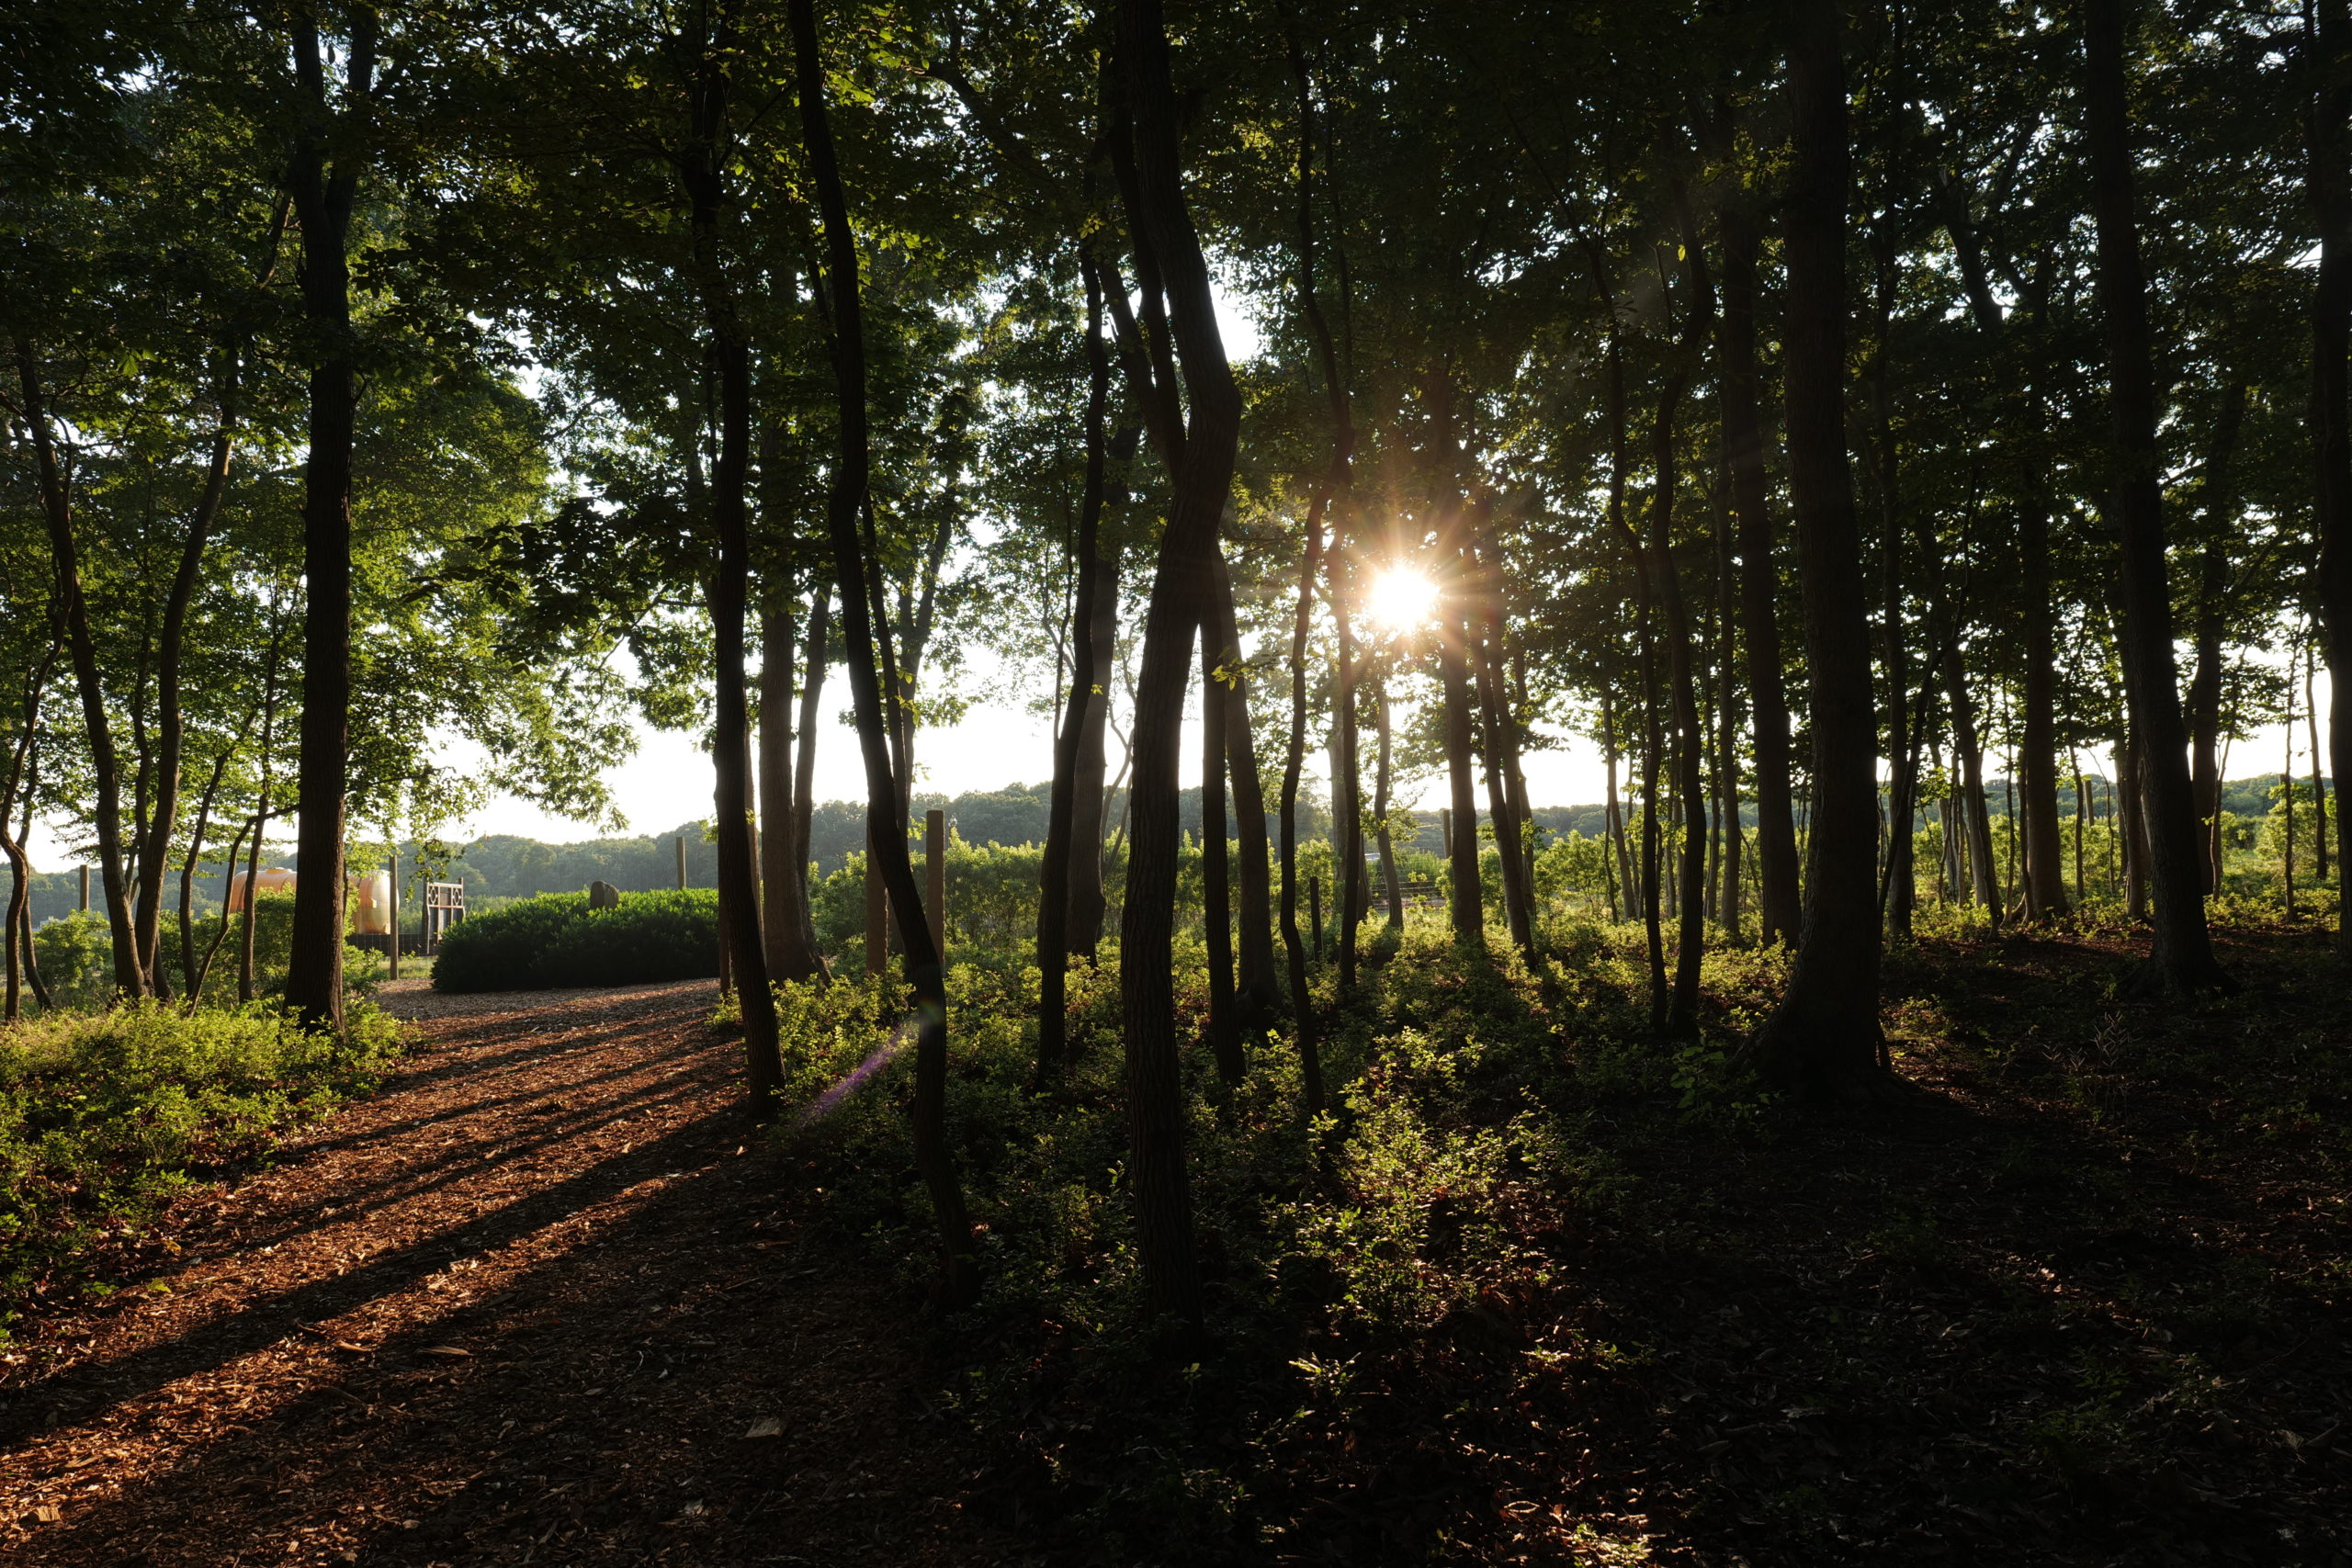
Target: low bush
556	940
103	1117
76	954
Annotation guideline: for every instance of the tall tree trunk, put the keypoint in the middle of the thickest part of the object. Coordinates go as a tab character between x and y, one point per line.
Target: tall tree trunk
787	926
1647	668
1968	752
323	199
804	764
1216	900
703	169
1728	724
22	784
1498	725
1293	760
2327	47
1613	819
1824	1038
1087	903
1691	784
81	646
1161	225
1089	689
1392	886
2181	962
844	502
1899	882
1258	994
2319	785
1347	782
2204	696
2046	869
1777	899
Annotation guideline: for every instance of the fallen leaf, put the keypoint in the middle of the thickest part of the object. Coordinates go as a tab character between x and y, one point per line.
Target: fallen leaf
771	1427
355	1350
444	1350
48	1514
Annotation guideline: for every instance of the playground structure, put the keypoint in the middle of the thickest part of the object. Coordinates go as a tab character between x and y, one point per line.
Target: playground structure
373	908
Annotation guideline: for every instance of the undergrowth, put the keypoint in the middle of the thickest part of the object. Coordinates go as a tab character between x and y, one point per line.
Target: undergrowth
105	1117
1527	1230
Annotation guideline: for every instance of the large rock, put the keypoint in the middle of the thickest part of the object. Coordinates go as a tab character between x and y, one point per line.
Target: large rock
604	895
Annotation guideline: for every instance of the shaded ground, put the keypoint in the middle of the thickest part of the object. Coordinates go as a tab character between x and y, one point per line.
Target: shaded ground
2081	1302
540	1299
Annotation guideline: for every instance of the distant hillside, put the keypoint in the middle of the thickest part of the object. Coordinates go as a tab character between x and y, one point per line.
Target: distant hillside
504	865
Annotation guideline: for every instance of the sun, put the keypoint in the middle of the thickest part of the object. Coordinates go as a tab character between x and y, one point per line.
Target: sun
1402	598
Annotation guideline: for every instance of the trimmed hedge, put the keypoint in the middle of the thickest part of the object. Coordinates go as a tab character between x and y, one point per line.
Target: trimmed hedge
556	940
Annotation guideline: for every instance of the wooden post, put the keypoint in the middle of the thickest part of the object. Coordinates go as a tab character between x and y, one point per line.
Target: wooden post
1315	913
86	890
1445	826
934	857
393	951
878	912
681	863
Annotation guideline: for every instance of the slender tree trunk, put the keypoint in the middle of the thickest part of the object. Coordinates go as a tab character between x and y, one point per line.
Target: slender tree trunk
1088	688
2327	47
1088	904
2181	963
1824	1036
1496	726
1391	884
1258	993
1223	1038
2319	785
21	783
1898	881
130	979
1293	760
1646	667
1162	228
1691	785
1727	725
1778	895
1613	823
2204	695
785	922
188	876
2045	870
1975	808
845	501
804	765
703	169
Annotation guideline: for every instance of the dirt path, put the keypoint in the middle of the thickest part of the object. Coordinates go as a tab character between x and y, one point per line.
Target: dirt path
537	1300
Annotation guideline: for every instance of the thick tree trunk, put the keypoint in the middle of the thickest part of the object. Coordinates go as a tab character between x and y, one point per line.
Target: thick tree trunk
2181	963
1778	897
1824	1036
2328	180
845	501
324	201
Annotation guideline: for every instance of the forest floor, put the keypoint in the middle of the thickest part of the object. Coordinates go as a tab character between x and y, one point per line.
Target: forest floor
541	1298
538	1299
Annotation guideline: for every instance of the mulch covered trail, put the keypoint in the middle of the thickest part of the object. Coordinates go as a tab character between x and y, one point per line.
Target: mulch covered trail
541	1298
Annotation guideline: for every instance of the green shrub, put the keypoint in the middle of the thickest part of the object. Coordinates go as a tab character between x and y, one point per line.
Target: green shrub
77	955
103	1117
556	940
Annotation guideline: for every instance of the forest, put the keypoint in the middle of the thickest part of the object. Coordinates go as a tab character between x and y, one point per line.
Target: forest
1898	1115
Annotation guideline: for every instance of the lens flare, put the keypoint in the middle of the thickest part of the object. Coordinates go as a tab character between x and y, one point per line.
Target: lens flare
1402	598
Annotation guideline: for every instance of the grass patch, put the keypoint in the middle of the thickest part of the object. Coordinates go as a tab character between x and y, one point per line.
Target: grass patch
105	1118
